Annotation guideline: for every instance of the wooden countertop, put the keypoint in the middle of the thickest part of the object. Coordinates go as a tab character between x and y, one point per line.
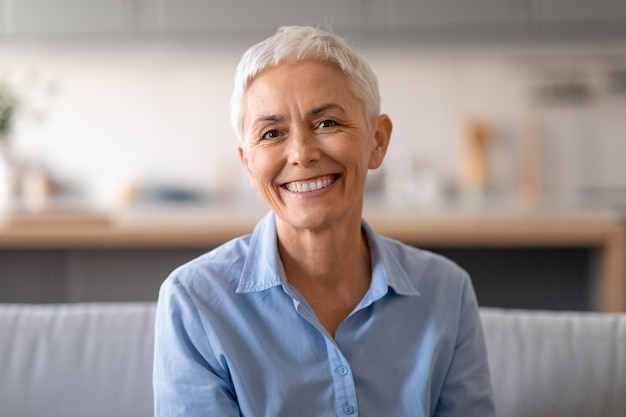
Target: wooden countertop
193	226
189	227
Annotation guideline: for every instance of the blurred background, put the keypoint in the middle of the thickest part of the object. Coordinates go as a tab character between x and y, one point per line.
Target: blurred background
116	112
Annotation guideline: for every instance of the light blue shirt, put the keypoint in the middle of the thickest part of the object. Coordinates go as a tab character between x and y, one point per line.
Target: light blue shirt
234	338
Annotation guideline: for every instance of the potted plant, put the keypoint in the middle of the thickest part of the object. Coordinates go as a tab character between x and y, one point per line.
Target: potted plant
8	106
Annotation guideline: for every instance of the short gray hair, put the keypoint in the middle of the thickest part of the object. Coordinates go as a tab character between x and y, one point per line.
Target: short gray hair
301	42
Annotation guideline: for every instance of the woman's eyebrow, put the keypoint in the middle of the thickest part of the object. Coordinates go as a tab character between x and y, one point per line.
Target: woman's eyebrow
268	118
327	106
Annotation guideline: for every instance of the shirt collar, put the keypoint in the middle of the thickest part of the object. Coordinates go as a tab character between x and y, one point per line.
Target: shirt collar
387	270
263	268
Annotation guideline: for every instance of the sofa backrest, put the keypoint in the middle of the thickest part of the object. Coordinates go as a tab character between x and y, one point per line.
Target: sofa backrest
78	360
556	364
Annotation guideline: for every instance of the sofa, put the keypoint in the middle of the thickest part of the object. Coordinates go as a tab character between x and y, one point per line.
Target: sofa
95	359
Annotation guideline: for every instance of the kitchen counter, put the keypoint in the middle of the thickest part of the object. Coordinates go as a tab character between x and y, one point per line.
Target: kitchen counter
186	226
205	227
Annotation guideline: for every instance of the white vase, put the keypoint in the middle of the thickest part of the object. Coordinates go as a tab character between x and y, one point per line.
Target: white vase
7	177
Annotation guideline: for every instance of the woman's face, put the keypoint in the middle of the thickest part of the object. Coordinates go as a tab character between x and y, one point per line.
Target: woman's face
308	144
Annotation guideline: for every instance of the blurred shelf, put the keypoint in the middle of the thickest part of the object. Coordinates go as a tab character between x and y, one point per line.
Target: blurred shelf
181	225
203	227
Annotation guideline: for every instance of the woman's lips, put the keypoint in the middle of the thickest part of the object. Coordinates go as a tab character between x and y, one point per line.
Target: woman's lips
310	185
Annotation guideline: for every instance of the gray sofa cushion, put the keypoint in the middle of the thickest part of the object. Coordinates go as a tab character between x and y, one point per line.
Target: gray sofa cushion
557	364
76	360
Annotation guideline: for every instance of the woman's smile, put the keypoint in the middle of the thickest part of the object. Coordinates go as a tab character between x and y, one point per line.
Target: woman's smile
310	185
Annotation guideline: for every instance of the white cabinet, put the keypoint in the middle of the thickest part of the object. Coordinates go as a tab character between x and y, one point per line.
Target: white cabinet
451	14
244	17
58	17
200	18
216	20
532	20
2	19
578	11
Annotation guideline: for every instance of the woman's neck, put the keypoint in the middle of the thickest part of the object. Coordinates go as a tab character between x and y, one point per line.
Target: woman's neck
330	267
321	253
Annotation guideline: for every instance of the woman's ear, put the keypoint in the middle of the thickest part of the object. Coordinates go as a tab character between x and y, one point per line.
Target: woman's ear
242	157
244	161
382	135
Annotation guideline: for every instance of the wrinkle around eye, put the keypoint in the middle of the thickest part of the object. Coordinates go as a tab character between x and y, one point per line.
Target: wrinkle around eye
270	135
330	124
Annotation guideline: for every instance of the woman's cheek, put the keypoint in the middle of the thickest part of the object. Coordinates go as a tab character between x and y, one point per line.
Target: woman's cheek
260	168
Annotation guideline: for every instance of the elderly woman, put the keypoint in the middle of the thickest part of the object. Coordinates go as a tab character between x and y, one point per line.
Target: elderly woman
314	314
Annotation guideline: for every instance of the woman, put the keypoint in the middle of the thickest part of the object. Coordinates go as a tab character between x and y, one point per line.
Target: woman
314	314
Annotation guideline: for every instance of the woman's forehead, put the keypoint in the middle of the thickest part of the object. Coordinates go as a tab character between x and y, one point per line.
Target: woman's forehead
311	77
307	86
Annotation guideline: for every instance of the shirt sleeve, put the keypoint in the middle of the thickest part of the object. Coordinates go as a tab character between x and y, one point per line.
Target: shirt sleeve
467	387
188	380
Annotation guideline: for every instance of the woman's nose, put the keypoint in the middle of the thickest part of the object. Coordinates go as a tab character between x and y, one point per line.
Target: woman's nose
303	148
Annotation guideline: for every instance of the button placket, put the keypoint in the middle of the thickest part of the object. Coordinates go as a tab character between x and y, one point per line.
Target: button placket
343	383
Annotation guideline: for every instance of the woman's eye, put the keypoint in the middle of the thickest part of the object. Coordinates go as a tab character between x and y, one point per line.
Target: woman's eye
270	134
328	123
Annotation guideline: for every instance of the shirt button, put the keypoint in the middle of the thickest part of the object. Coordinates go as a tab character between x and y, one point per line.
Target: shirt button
348	409
343	370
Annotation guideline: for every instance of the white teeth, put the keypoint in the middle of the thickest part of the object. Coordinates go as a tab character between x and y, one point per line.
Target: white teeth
308	186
